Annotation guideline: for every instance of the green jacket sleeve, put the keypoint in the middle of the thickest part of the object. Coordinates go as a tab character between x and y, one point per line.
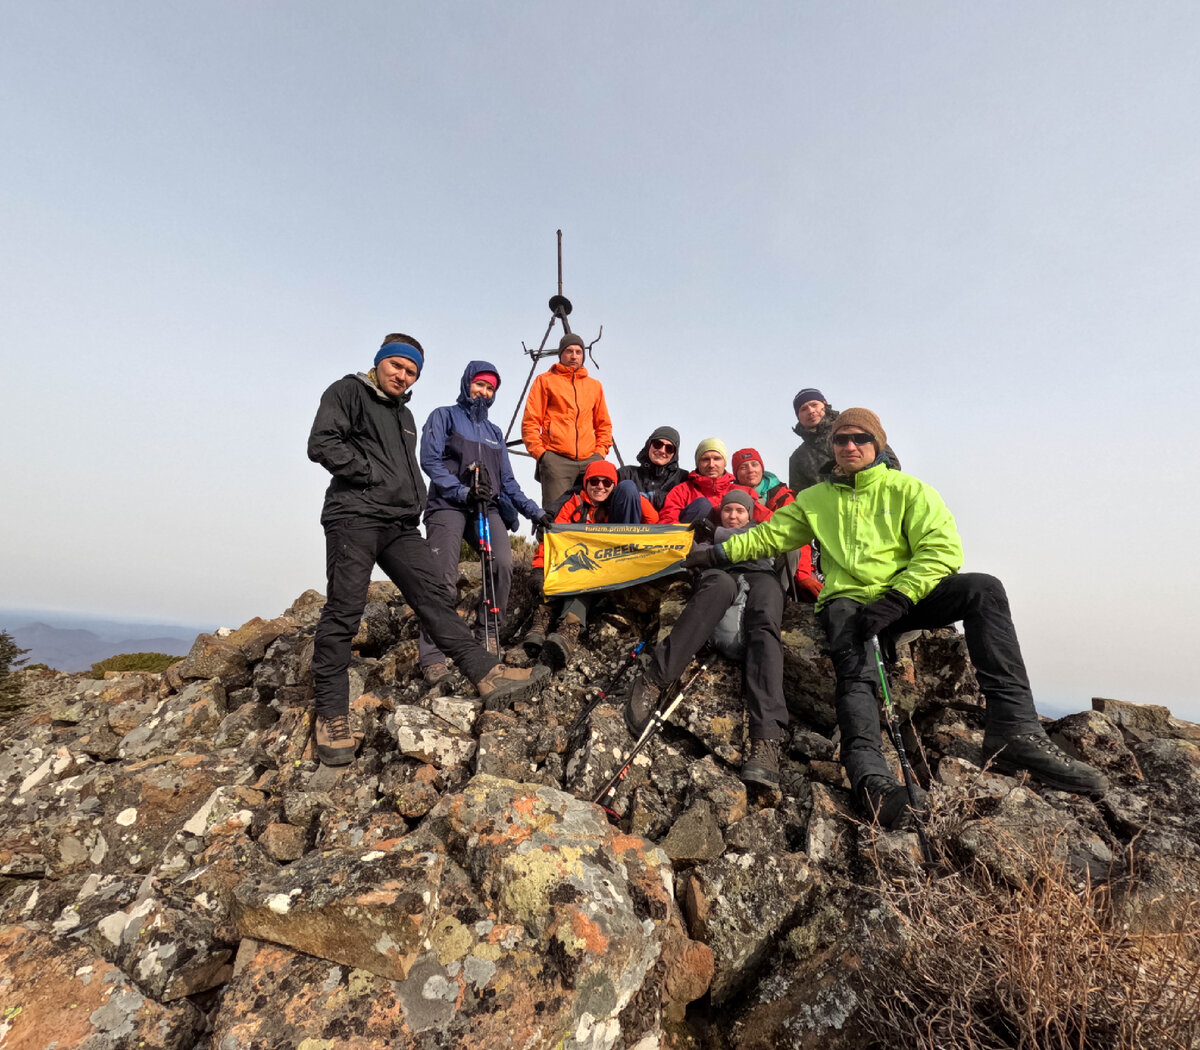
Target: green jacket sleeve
935	544
786	530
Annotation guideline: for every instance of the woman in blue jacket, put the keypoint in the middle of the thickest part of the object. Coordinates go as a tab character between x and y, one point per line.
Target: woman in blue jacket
464	455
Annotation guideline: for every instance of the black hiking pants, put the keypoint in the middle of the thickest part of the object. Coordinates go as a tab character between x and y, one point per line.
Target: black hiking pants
979	601
763	672
351	553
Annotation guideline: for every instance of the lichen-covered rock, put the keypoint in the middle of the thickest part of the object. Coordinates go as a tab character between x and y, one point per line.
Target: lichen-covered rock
738	905
695	836
61	994
213	657
423	735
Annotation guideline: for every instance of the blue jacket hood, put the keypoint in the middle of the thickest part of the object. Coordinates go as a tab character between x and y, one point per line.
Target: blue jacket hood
476	407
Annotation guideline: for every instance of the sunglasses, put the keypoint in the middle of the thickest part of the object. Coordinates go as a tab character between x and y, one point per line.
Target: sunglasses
606	482
842	440
662	446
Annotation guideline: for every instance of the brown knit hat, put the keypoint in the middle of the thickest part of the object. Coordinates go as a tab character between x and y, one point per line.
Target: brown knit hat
865	420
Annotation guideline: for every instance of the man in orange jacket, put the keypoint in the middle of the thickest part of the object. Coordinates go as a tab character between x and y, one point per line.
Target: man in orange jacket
566	424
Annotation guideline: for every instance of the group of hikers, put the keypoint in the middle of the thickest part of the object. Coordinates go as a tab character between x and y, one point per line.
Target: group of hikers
874	548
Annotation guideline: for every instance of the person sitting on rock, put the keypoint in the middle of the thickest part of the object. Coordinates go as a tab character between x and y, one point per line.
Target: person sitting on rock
463	453
657	470
891	555
566	424
813	458
603	501
699	496
773	494
715	591
365	436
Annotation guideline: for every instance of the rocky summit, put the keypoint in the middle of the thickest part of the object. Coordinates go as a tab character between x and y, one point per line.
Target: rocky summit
177	872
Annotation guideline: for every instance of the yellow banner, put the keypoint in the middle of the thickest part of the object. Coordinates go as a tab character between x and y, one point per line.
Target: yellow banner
581	558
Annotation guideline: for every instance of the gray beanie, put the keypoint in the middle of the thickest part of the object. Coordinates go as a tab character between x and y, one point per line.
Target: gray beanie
741	497
570	339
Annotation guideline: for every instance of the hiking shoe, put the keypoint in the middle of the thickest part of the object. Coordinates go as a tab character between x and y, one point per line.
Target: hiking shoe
503	685
434	673
561	645
886	801
642	703
335	742
535	637
762	767
1035	753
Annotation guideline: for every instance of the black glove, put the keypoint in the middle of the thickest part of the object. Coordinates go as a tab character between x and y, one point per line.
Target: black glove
705	531
543	521
879	615
701	558
481	490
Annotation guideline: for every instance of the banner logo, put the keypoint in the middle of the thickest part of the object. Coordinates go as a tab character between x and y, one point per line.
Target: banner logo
580	558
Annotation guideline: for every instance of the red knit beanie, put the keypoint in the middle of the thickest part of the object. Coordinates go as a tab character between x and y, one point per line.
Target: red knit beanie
744	455
600	469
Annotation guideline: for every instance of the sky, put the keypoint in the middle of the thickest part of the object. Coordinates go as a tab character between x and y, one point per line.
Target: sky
980	220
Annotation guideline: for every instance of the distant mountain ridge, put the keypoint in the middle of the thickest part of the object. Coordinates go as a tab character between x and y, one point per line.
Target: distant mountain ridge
75	643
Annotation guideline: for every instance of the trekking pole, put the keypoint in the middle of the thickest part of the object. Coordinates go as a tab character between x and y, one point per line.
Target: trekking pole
657	720
487	577
898	742
600	694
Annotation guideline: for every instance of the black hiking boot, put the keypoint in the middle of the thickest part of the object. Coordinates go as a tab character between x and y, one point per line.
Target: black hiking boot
762	767
561	645
1036	754
642	703
503	685
435	673
535	637
335	742
886	801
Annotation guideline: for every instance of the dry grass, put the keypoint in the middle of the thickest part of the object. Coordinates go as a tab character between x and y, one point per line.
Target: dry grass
1041	963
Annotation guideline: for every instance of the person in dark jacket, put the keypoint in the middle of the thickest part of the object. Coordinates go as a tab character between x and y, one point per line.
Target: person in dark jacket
816	421
657	470
716	589
365	436
464	455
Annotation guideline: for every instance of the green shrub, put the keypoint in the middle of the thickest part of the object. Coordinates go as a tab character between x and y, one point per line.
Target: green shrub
156	662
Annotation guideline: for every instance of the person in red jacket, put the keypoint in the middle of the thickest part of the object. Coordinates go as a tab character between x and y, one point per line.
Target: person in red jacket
749	471
602	501
700	496
566	424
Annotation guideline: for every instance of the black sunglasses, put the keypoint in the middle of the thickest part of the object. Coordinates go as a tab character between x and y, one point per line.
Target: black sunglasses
842	440
662	446
606	482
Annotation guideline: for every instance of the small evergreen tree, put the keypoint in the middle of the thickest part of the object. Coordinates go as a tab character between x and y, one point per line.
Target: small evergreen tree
10	659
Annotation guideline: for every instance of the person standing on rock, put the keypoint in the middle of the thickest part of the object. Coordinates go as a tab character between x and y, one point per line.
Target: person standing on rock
715	591
891	555
566	424
365	436
464	455
657	470
815	420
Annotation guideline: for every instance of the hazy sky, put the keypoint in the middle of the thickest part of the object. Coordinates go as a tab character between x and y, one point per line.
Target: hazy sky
981	220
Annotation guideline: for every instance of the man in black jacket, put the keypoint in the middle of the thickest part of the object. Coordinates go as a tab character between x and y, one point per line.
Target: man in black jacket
366	437
815	422
658	470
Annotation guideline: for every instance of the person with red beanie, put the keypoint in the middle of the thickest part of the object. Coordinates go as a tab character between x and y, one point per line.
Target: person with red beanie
603	500
699	497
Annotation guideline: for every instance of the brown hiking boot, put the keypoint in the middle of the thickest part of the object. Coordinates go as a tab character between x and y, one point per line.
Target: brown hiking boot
503	684
335	742
434	673
642	703
561	645
762	766
535	637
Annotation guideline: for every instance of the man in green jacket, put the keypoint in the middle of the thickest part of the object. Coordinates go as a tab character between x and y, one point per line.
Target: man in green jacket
891	553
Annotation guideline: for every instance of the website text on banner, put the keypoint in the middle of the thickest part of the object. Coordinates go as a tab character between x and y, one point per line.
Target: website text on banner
583	558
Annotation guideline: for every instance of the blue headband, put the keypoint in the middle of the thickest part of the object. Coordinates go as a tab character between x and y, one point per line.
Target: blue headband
401	350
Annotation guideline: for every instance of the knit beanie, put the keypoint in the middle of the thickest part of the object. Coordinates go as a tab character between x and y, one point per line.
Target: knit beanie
601	468
744	455
570	339
739	496
865	420
712	445
487	377
665	434
809	393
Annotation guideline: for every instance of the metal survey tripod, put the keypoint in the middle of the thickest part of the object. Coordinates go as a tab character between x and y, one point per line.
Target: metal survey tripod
560	308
